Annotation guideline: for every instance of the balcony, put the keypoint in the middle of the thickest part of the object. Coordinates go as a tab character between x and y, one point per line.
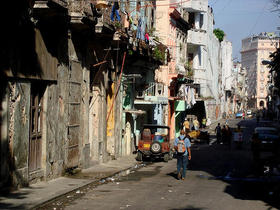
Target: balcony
197	37
47	9
156	93
195	6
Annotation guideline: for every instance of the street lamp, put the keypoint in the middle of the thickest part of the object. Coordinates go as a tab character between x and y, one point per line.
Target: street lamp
266	62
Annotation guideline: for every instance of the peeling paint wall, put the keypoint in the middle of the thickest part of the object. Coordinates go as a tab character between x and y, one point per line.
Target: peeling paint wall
4	143
19	112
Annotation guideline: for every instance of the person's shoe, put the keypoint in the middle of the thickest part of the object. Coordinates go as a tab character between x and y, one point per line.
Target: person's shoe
179	175
183	178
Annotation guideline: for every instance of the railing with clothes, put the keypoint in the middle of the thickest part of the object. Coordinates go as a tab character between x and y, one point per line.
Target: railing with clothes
153	89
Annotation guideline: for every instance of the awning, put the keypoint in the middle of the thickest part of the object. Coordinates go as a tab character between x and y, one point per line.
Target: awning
135	111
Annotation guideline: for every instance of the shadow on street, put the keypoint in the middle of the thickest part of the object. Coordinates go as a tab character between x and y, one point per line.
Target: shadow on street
235	166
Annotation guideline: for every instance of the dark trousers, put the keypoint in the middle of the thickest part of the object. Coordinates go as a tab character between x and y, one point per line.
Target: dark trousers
219	138
182	162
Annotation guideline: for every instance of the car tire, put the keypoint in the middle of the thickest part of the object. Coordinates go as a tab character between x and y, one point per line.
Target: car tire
139	156
170	155
166	157
156	147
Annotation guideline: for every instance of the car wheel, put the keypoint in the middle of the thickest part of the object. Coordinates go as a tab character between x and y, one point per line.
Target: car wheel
156	147
166	157
170	155
139	156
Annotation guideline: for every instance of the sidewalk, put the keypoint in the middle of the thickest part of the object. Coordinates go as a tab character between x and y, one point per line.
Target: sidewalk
37	194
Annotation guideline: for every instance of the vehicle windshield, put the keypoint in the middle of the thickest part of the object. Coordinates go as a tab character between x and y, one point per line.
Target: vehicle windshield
267	132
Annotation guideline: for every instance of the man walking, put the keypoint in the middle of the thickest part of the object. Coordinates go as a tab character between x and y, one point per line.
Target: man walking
182	145
218	133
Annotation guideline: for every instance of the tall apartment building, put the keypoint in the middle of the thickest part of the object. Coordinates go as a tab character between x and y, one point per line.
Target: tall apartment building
255	49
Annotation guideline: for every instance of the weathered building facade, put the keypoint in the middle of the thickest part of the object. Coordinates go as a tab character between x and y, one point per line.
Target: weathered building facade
63	86
255	49
80	78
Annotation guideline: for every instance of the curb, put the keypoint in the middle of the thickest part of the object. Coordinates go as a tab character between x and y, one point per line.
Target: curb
77	192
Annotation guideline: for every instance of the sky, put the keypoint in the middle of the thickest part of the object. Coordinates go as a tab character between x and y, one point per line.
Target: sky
242	18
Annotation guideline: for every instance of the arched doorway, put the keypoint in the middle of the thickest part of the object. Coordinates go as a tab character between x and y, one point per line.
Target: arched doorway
261	103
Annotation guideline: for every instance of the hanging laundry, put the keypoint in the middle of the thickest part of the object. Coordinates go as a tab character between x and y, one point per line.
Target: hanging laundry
186	94
160	119
115	12
189	96
147	38
193	101
156	111
141	29
181	91
126	20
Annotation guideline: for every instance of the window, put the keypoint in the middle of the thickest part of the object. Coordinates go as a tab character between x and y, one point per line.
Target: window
199	57
201	21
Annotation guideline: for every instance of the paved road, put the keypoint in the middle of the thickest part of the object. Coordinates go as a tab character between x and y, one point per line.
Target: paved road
219	177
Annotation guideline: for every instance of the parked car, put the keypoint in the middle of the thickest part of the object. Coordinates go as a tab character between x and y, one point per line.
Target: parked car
155	143
269	138
239	115
249	113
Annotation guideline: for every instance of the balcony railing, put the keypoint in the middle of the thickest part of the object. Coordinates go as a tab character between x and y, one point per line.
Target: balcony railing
153	89
195	6
197	37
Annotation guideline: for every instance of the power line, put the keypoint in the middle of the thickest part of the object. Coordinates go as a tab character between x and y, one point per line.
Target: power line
215	2
258	18
227	4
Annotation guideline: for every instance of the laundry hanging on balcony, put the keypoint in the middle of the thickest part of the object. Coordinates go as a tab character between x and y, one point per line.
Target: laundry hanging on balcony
141	29
188	93
115	12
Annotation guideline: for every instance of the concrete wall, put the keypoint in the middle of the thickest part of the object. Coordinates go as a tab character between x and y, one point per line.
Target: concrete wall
213	70
18	128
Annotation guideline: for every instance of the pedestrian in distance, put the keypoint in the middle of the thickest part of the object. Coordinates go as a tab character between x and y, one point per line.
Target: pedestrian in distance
196	124
191	124
186	125
203	123
218	131
238	137
182	146
224	135
228	136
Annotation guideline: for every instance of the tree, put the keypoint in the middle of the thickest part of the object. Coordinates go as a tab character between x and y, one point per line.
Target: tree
276	4
275	66
219	34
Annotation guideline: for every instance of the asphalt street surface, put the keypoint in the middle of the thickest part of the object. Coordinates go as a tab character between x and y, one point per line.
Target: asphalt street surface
219	177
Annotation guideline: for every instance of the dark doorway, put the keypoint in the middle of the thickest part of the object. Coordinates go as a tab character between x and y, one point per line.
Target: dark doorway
35	141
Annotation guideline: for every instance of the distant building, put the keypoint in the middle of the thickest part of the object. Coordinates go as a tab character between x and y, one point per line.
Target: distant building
255	49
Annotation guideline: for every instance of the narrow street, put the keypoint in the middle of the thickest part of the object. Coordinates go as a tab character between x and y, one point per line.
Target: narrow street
218	177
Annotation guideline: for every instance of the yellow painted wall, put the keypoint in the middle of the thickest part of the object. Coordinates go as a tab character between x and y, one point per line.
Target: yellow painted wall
110	123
